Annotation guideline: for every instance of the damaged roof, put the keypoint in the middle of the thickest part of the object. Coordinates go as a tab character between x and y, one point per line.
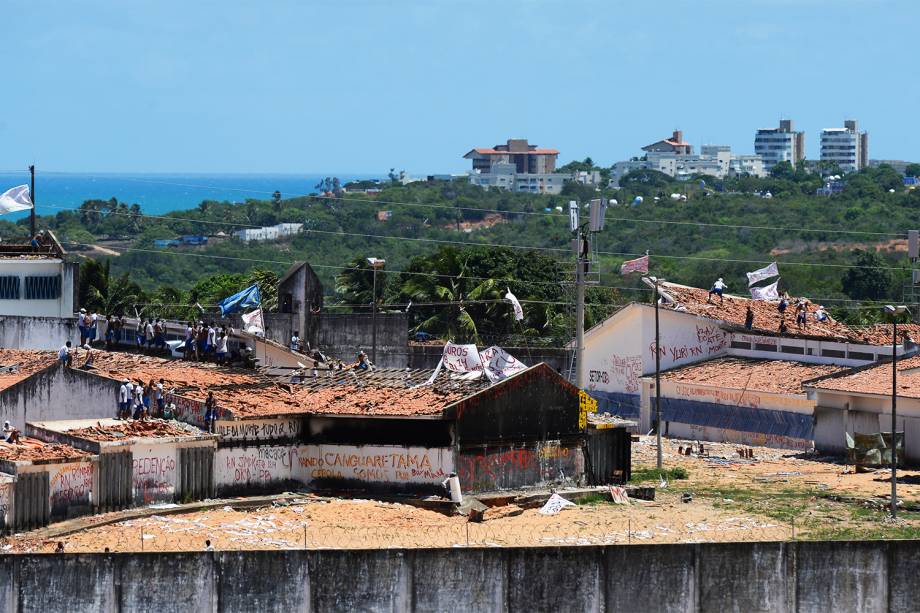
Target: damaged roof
33	450
19	364
876	379
769	376
733	311
248	394
112	430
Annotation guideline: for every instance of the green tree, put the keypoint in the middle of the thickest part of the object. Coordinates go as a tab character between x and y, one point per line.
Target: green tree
868	280
267	280
782	170
912	170
107	294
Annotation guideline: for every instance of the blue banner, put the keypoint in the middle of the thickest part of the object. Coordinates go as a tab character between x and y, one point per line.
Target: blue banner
249	297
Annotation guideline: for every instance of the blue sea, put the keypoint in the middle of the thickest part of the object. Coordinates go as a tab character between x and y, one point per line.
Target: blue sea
158	193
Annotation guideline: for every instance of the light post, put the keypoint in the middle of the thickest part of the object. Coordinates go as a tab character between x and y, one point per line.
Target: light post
376	264
894	311
657	379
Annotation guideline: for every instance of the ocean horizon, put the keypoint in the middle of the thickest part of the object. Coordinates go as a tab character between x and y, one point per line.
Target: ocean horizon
160	193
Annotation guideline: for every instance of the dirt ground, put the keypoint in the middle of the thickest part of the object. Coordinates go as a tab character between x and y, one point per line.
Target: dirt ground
777	495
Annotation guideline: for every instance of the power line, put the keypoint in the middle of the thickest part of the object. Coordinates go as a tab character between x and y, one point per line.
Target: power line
526	247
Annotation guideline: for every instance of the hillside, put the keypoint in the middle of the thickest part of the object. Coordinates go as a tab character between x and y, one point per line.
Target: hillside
711	234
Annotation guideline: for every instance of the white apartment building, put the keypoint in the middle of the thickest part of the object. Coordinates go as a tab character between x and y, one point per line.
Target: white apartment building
714	160
268	233
846	146
782	144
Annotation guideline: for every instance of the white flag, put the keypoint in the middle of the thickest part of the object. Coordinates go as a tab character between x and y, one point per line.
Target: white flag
767	292
15	199
764	273
253	323
518	310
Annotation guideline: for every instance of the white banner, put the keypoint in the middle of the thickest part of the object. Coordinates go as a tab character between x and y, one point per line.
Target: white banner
499	364
461	358
767	292
15	199
253	322
767	272
518	310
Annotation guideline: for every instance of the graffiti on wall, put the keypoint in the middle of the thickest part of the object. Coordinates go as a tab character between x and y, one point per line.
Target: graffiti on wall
745	398
192	411
257	466
511	467
707	340
258	429
70	485
154	473
378	464
6	499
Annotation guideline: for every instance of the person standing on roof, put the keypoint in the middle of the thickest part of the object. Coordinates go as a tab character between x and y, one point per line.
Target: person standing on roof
82	326
222	348
90	357
295	341
210	412
109	332
93	327
189	346
161	399
717	288
801	315
138	397
124	396
211	344
749	318
65	354
158	329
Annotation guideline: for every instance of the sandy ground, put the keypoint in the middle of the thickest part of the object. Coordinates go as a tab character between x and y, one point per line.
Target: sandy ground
777	495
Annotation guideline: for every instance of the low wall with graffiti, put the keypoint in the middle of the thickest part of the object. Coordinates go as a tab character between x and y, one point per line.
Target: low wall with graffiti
368	467
485	468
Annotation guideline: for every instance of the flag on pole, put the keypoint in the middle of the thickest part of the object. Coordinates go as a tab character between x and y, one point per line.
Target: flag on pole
766	272
637	265
249	297
516	304
253	322
15	199
767	292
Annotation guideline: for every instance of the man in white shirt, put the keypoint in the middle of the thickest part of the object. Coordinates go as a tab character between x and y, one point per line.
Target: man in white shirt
124	395
64	354
717	288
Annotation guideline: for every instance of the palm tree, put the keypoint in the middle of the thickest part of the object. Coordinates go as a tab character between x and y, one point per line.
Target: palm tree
355	284
111	296
461	295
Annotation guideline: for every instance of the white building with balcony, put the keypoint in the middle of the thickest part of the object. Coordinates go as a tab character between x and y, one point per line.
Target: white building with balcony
782	144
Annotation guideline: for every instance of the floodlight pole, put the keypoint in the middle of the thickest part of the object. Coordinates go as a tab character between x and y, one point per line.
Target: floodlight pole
580	315
374	320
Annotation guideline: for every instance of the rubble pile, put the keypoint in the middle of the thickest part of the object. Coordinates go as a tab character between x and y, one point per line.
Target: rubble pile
155	428
30	449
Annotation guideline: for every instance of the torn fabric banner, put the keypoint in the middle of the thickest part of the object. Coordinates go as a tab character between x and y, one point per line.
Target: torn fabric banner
253	323
518	310
499	364
637	265
461	358
767	272
767	292
249	297
15	199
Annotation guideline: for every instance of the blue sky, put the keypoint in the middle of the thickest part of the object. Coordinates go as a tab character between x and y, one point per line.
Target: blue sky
364	85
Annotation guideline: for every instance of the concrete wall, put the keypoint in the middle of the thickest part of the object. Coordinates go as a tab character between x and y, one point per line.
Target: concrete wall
59	393
342	335
47	333
742	577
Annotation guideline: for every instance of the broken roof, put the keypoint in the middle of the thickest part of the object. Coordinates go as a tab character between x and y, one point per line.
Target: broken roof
113	430
33	450
876	379
247	394
19	364
733	310
769	376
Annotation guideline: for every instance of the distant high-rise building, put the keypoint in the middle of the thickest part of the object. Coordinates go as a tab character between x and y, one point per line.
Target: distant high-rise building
782	144
517	166
846	146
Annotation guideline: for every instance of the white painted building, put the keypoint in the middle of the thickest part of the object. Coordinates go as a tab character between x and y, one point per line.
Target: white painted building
36	283
714	160
268	233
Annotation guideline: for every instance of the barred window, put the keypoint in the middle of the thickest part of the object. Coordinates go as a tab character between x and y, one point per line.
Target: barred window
9	288
43	288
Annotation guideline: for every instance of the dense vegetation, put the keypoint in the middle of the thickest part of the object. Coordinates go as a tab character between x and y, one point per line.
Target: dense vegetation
453	230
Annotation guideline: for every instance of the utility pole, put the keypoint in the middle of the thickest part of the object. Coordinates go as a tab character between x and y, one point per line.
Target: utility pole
376	264
580	310
32	198
657	378
894	416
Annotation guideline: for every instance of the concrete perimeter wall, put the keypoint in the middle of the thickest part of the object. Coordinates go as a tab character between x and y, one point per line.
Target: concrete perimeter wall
742	577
